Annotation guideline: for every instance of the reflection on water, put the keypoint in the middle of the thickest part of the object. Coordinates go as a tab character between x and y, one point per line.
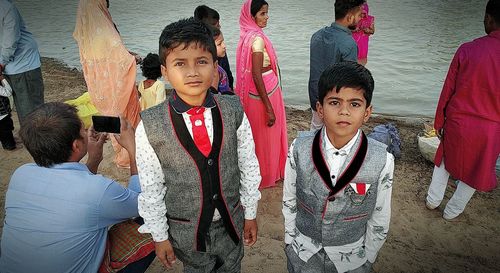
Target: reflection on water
409	53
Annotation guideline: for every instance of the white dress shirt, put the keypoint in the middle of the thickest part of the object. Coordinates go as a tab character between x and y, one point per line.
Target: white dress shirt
350	256
151	200
5	91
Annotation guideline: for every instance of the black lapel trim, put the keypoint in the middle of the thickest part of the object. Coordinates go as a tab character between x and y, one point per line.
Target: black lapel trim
349	173
319	161
354	166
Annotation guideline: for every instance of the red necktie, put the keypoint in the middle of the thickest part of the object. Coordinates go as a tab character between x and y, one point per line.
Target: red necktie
200	134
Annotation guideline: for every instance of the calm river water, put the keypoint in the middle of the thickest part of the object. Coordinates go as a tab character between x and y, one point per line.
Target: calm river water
409	53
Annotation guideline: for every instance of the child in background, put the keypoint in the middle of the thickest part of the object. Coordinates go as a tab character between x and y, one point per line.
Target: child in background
196	158
6	123
211	17
337	208
362	33
220	82
151	90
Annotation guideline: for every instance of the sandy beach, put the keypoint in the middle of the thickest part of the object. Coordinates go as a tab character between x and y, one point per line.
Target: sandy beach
419	240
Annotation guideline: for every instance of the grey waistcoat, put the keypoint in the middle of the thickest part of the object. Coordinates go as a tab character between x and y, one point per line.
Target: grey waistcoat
340	219
189	175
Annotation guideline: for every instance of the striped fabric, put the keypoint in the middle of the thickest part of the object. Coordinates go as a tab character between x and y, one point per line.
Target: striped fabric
125	245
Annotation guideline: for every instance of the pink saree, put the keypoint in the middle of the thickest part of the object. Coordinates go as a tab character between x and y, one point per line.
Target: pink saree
360	36
109	69
271	143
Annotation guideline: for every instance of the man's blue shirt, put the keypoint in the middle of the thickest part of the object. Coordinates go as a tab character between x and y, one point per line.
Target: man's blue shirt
18	49
57	218
329	45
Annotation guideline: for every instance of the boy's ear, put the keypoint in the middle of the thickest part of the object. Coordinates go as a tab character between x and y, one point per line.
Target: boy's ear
368	113
164	73
319	109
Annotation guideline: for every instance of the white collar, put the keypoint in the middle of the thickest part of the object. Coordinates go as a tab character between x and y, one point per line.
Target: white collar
342	151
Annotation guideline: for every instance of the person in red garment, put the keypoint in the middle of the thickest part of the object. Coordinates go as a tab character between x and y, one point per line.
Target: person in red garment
468	120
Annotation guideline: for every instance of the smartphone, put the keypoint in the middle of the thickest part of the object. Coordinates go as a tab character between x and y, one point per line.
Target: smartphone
106	124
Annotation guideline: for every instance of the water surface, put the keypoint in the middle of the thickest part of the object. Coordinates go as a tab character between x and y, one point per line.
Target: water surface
409	54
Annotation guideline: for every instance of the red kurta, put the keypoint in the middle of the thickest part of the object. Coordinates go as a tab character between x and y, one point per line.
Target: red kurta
469	112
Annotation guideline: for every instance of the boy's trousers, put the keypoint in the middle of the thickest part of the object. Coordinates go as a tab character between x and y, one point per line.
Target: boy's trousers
318	263
6	136
222	255
458	201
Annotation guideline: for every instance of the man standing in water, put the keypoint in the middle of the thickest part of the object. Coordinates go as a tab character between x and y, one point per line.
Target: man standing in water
333	44
468	120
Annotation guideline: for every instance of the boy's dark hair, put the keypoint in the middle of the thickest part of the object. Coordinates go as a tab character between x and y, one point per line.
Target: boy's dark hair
49	131
184	33
256	6
493	9
151	66
215	31
342	7
206	15
346	74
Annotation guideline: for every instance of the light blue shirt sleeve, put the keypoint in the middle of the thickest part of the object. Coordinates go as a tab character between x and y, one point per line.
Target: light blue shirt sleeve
119	203
18	48
133	183
11	33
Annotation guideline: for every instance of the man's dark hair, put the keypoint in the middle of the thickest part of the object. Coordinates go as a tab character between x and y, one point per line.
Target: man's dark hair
184	33
493	9
151	66
346	74
49	131
342	7
256	6
206	15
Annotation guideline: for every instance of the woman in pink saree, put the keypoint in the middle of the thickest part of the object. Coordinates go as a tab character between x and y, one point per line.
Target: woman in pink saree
109	69
259	87
361	35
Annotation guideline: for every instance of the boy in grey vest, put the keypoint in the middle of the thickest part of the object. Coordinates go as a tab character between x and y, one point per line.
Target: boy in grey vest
196	159
338	183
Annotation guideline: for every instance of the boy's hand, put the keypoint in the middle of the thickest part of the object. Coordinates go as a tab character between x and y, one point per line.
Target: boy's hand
250	232
165	253
126	138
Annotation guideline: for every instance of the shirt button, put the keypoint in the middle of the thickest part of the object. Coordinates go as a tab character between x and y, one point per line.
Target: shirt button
210	162
333	176
215	197
336	153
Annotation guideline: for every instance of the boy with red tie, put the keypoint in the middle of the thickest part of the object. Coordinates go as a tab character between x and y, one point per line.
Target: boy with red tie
337	208
196	159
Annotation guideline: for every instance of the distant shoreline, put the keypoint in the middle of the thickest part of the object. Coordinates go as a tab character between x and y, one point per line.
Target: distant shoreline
294	107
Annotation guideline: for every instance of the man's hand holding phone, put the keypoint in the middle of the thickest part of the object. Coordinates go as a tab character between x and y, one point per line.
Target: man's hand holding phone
94	148
122	131
126	138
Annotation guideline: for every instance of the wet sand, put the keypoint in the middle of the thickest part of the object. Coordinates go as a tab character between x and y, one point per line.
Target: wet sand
419	240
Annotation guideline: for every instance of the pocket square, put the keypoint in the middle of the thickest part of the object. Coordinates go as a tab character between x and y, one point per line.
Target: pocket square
360	188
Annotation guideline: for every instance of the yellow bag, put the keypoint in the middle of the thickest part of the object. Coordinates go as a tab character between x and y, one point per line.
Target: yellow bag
85	108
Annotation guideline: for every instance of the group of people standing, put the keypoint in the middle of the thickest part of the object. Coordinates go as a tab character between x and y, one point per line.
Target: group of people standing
198	157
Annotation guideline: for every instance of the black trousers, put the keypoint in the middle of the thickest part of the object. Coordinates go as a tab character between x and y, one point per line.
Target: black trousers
6	136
